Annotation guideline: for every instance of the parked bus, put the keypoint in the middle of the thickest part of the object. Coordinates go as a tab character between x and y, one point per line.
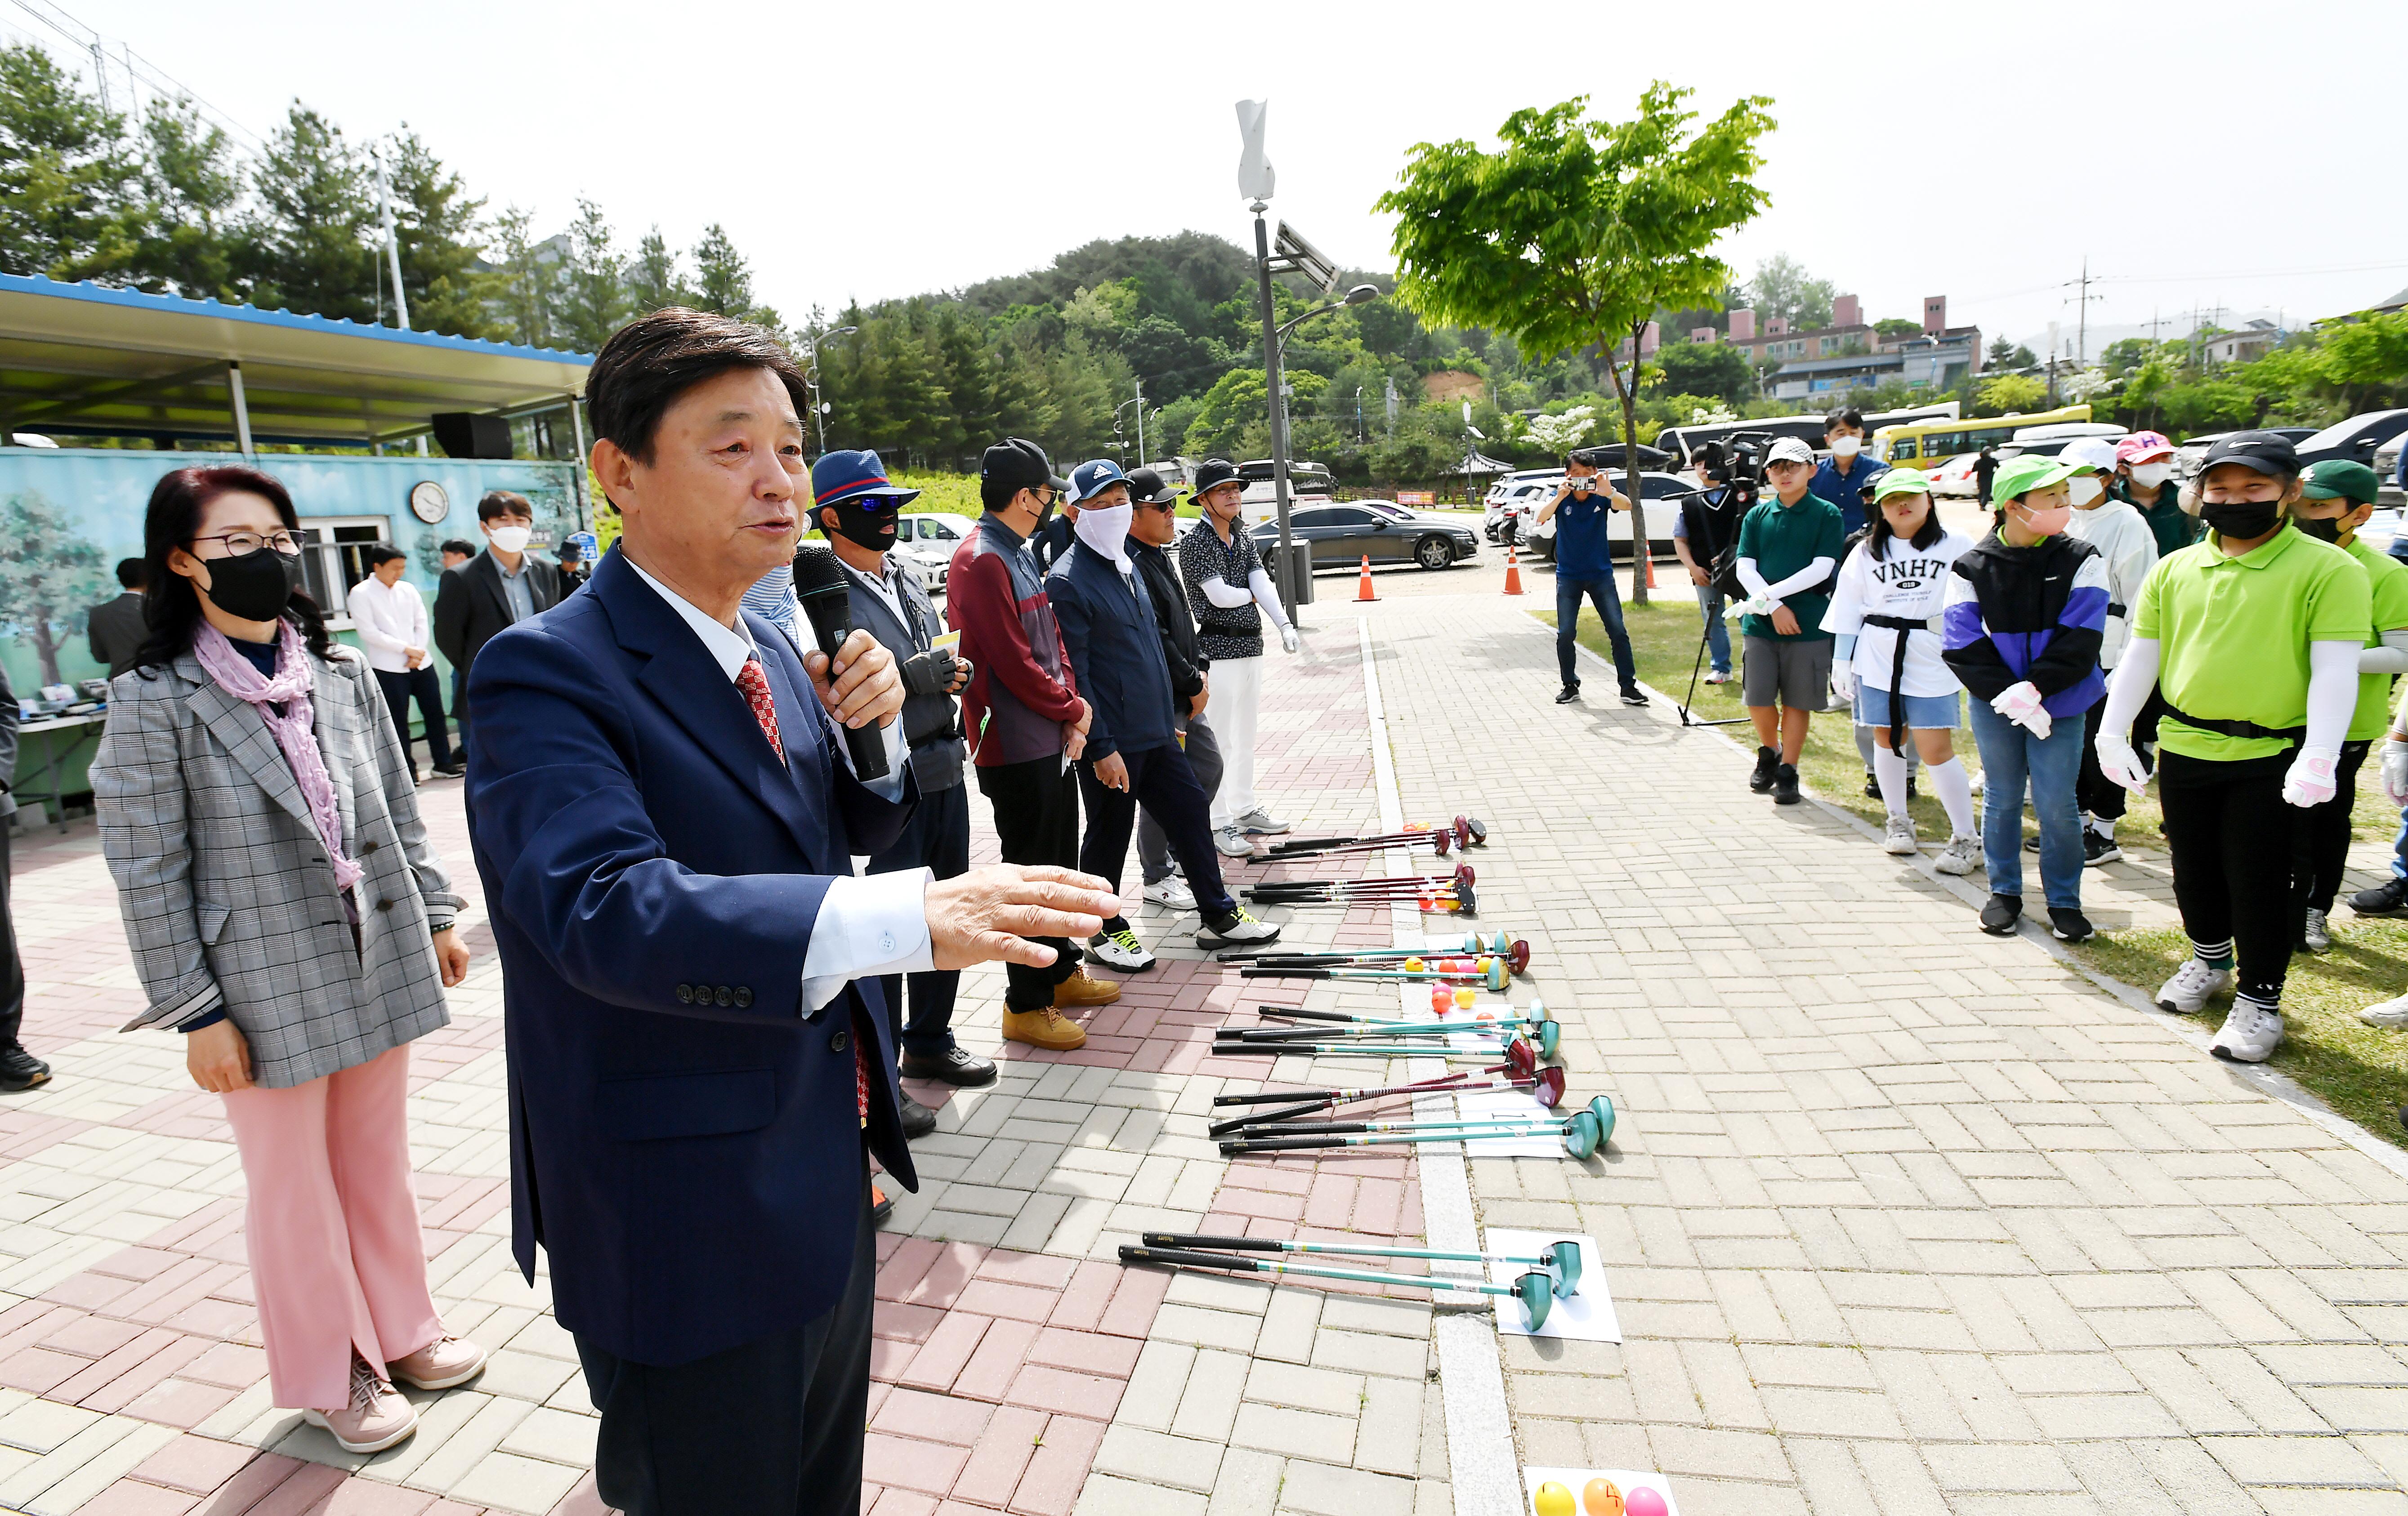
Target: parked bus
1928	444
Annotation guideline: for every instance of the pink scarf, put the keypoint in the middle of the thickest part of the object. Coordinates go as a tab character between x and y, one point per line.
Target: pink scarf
295	731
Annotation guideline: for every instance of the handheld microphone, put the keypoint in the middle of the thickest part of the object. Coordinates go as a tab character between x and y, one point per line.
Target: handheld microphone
826	598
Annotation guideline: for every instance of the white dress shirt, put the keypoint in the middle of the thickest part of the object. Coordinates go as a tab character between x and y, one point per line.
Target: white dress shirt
868	925
390	619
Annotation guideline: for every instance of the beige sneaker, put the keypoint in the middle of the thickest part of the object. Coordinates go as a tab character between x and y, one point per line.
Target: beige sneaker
1082	989
440	1365
1044	1027
377	1417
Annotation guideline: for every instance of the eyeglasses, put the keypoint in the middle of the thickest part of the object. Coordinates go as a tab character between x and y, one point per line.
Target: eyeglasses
243	544
1045	497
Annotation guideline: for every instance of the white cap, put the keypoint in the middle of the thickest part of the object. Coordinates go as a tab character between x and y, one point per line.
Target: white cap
2093	452
1790	449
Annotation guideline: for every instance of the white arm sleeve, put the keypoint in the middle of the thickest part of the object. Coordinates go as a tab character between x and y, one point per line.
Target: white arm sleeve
1749	577
2332	692
1220	593
1846	614
1266	596
2129	687
1813	573
2390	658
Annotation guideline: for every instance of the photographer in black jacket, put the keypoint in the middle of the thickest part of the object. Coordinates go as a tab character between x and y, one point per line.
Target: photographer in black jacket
1151	529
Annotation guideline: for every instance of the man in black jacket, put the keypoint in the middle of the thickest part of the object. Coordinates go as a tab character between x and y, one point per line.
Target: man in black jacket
116	627
503	584
1151	531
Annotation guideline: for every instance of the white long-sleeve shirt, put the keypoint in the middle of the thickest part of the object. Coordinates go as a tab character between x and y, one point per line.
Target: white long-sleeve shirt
1910	583
391	620
2122	537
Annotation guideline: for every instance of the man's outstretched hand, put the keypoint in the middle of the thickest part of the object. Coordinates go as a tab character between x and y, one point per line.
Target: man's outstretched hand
988	914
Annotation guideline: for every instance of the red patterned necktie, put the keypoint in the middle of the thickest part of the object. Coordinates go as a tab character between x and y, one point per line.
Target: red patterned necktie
755	685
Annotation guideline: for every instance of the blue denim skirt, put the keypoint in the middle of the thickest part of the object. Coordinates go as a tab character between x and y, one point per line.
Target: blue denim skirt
1926	712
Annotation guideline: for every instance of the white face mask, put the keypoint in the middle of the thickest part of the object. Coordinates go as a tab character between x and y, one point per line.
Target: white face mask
2085	490
510	539
1104	531
2150	475
1846	447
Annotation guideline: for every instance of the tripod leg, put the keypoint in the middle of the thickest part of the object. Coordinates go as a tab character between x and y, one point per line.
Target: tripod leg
1700	662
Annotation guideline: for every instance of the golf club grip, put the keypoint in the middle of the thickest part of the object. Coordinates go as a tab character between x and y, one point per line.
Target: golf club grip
1260	1118
1278	1144
1252	973
1191	1240
1312	1128
1291	1013
1185	1259
1272	1098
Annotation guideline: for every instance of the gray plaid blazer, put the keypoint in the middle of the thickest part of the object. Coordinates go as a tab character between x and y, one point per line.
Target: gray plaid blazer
229	899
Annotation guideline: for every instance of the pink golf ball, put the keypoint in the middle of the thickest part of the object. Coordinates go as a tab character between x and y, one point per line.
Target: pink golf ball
1642	1501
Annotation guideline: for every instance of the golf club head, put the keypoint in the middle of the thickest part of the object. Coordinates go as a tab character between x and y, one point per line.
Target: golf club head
1442	840
1537	1296
1462	832
1549	1087
1603	1109
1467	901
1522	1058
1581	1136
1463	875
1497	976
1518	954
1551	1037
1565	1260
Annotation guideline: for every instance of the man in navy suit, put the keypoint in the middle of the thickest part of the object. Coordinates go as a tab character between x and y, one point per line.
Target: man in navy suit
661	810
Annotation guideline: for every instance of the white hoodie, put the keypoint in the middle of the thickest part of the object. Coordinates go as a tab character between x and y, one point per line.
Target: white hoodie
2124	539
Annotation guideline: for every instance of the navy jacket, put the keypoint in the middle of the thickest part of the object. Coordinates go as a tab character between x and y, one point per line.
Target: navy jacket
683	1138
1115	646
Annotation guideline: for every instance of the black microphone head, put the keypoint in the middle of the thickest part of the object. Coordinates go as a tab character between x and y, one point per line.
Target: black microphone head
817	572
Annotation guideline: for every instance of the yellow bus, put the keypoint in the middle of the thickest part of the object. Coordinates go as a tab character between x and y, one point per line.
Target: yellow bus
1927	445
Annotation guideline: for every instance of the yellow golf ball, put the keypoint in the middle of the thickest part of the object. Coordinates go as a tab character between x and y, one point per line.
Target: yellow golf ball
1554	1500
1464	996
1414	965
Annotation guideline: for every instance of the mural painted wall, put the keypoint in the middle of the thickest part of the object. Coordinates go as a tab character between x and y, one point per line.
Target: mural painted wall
68	514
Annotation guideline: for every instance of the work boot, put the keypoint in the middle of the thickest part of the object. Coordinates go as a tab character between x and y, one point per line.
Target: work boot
918	1120
1081	989
1768	761
377	1417
1046	1028
1785	785
440	1365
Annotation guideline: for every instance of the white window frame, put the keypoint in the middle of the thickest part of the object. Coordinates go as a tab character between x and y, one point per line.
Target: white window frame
318	543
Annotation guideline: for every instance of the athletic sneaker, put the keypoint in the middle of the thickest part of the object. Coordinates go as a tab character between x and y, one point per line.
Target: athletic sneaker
2389	898
1720	675
2099	847
2070	925
1259	820
1232	843
2313	934
1120	949
1872	785
1230	931
1170	891
2191	985
1569	694
2392	1013
1633	696
1900	839
1785	785
2250	1034
1962	856
1998	916
1768	763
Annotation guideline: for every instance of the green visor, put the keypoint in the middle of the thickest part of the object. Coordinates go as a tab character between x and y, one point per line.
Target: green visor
1901	482
2021	476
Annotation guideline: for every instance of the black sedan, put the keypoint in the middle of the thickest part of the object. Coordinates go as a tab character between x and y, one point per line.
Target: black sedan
1342	536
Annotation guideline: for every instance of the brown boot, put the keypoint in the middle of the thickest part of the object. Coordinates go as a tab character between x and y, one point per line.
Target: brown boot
1043	1027
1081	990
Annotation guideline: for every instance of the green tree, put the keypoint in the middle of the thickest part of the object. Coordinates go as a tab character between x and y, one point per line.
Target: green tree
1577	232
49	577
2009	393
1782	288
723	281
526	287
592	296
310	251
67	186
437	227
1891	328
1707	368
191	187
653	282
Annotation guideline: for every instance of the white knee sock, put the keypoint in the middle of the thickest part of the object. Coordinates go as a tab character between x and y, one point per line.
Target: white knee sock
1956	793
1890	769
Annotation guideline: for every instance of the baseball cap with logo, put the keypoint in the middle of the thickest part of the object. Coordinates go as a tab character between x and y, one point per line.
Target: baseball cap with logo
2095	453
1146	488
1021	465
2026	473
1790	449
2340	479
2142	446
1093	477
1901	482
2268	453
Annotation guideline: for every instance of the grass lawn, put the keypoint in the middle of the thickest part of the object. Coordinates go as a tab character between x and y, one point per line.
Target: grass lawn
2358	1070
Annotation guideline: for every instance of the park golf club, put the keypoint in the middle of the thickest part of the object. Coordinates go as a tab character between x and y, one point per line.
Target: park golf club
1548	1034
1465	832
1534	1289
1516	958
1521	1056
1562	1259
1598	1107
1581	1134
1496	974
1471	942
1546	1087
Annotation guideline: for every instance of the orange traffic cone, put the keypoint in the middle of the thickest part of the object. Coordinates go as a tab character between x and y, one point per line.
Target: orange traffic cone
1363	587
1647	556
1513	571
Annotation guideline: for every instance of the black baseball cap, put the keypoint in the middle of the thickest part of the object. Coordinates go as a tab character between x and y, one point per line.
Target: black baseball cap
1021	465
1212	473
2265	451
1146	487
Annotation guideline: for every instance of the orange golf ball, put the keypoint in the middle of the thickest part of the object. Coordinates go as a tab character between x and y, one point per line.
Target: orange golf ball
1439	999
1554	1500
1601	1497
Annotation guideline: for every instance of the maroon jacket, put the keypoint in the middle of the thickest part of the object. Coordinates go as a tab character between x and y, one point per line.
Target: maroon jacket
1021	693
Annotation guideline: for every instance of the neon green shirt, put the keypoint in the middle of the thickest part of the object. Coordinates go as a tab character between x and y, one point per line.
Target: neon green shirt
2233	633
2388	578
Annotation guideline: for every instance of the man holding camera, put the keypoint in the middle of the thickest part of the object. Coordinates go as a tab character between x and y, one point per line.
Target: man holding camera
1586	501
1789	546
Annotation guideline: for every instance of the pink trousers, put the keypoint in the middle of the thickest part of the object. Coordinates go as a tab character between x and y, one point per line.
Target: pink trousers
332	1227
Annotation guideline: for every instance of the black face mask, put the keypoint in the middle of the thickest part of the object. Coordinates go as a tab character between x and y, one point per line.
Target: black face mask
2241	519
864	528
255	586
2324	529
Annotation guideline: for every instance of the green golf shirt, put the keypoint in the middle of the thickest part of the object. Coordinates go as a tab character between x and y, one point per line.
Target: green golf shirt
2387	579
2232	636
1783	539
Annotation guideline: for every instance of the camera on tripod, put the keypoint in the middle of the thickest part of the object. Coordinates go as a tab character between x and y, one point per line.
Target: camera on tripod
1737	466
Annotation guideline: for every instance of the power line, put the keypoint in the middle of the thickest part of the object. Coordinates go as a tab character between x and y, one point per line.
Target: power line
139	71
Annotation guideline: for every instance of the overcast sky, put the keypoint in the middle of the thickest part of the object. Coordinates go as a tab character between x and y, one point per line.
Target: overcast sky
2204	154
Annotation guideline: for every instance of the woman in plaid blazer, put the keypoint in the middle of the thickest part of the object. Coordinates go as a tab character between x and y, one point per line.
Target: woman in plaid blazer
288	917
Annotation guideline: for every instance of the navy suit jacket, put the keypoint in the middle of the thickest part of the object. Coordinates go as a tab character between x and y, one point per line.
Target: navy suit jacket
1115	647
683	1138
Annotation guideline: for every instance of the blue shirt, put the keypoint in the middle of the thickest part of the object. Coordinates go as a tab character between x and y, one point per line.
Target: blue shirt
1846	490
516	591
1582	549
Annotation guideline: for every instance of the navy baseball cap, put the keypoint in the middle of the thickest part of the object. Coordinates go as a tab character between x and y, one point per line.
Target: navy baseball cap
1020	465
857	476
1093	477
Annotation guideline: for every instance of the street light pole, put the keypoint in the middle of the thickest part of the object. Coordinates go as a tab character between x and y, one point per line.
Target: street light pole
1278	410
820	410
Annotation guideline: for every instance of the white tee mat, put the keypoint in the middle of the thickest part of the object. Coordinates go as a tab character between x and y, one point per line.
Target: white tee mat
1586	1316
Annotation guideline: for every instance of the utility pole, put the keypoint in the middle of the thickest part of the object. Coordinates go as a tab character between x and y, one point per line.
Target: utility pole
1141	423
391	243
1278	411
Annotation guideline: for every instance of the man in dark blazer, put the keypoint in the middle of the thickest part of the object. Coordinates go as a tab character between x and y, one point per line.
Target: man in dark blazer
661	810
500	587
116	628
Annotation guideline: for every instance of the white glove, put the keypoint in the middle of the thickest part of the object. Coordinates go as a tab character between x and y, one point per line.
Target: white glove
2020	704
2395	772
1759	605
2120	763
1843	683
1289	641
2310	782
